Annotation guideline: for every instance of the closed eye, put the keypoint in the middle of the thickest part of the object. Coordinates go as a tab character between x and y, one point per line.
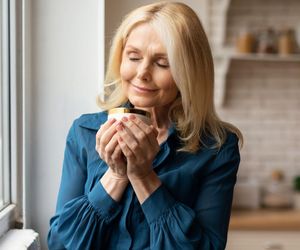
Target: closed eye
163	63
134	58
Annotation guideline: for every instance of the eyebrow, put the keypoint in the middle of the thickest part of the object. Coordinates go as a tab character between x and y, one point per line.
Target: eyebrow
135	48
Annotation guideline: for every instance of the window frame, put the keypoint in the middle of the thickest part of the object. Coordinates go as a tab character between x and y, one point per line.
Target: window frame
12	215
5	107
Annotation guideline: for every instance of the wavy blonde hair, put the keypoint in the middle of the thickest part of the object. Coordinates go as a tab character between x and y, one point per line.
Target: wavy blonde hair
191	65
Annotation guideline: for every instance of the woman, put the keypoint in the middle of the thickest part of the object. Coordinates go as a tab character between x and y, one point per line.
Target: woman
129	185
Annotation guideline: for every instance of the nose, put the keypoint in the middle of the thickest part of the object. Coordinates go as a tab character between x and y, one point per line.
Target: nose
144	71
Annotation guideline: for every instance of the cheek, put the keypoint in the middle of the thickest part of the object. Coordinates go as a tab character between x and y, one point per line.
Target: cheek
170	91
125	77
167	83
126	71
171	88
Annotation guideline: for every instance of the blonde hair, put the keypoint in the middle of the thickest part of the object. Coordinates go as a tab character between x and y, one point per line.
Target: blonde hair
191	65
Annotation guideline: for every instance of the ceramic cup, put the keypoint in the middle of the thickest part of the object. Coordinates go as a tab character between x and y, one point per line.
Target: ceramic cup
118	113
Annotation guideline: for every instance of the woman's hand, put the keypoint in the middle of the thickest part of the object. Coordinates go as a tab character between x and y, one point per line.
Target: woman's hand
109	150
138	142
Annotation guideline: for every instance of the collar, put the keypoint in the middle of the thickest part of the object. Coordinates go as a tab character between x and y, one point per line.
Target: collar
92	121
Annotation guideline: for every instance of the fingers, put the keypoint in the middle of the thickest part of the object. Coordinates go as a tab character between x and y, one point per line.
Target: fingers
125	149
108	148
105	133
118	157
143	131
129	144
111	145
117	153
103	128
117	162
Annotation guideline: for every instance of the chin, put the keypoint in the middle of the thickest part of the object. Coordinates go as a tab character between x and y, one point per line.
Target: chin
141	103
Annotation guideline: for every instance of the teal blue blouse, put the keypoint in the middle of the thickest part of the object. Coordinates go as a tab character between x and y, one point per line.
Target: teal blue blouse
190	210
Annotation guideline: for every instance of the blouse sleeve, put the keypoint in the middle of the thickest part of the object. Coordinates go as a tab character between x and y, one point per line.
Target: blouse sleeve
81	220
174	225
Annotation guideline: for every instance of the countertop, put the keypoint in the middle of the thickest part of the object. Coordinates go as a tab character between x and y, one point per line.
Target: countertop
265	219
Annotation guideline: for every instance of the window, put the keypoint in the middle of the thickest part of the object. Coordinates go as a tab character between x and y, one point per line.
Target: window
11	126
4	108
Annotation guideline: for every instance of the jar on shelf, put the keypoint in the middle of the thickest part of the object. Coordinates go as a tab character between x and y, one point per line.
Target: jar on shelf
277	193
245	42
287	42
296	186
297	37
267	41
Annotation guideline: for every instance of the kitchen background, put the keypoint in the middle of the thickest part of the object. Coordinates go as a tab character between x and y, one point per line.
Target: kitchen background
257	63
257	89
262	88
257	56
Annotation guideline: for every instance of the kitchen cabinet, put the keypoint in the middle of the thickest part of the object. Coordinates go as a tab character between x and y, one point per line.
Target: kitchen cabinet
264	230
266	219
263	240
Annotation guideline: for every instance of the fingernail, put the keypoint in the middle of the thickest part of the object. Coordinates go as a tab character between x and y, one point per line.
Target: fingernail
112	120
119	127
132	117
124	119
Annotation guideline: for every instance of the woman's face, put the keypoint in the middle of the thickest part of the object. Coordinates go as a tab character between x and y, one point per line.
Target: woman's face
145	72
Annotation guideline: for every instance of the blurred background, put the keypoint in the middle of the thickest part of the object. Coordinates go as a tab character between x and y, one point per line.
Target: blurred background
255	46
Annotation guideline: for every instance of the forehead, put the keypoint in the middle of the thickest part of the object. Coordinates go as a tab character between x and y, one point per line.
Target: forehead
143	37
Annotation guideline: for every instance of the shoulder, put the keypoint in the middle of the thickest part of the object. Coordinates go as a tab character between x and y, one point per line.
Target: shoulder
91	121
83	129
231	143
210	160
231	140
211	154
228	154
209	143
87	122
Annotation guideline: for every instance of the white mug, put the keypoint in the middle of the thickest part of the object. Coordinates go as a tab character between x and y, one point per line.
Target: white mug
119	113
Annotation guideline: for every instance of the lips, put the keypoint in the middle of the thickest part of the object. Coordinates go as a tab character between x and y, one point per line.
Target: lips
143	89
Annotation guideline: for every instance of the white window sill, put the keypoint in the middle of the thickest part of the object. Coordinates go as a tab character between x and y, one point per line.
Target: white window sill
20	239
7	218
15	239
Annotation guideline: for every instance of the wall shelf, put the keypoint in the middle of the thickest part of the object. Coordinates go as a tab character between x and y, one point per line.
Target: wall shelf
262	57
228	17
228	55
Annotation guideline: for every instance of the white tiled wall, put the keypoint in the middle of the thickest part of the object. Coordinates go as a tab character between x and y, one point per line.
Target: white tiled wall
262	97
263	100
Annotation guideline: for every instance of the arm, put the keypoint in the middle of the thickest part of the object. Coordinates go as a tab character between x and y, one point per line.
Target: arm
82	220
204	225
174	225
115	179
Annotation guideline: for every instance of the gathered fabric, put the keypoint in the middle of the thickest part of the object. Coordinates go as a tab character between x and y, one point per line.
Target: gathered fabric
190	210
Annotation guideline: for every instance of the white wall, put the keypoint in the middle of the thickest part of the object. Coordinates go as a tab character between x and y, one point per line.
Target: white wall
64	83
